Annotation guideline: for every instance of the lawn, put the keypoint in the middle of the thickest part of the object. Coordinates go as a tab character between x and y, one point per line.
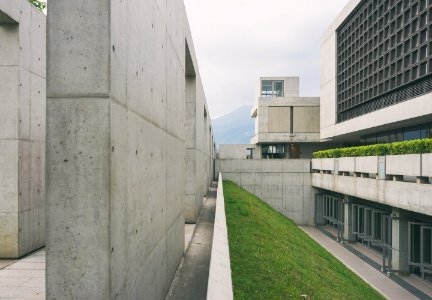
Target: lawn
272	258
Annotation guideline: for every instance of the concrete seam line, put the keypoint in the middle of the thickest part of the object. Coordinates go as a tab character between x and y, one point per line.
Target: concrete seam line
220	266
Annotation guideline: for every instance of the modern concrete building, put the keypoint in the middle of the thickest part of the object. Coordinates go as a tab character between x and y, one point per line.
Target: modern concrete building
286	125
376	68
129	146
22	130
276	165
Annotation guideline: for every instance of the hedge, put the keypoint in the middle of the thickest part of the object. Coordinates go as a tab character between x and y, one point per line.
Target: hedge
407	147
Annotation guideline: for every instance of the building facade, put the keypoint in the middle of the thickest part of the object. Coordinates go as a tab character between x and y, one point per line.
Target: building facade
286	125
376	75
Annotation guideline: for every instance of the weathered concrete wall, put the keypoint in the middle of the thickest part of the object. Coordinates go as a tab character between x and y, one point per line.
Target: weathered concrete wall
200	150
238	151
116	147
22	130
285	184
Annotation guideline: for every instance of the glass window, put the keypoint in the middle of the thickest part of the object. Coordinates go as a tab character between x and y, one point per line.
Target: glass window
273	151
383	137
424	132
272	88
411	134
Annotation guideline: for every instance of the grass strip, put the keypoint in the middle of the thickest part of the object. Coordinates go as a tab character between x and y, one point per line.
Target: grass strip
272	258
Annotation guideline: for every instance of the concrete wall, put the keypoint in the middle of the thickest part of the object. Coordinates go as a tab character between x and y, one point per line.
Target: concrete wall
237	151
406	113
285	184
268	130
116	150
22	131
200	150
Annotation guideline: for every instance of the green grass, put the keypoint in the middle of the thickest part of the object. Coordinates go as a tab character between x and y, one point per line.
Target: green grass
271	258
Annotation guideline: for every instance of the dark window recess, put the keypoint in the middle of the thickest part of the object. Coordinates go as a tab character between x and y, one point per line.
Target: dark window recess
383	56
399	135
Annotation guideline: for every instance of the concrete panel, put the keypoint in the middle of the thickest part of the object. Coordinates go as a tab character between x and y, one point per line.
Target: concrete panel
367	164
25	103
296	165
37	108
426	165
9	46
9	102
328	164
175	183
78	198
79	62
118	200
38	45
409	164
8	235
250	179
8	176
271	165
346	164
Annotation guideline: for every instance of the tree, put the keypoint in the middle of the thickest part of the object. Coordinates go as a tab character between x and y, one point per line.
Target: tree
39	4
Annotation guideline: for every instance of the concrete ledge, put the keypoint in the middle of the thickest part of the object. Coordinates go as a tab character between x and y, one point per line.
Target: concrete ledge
408	164
220	283
426	165
366	164
406	195
346	164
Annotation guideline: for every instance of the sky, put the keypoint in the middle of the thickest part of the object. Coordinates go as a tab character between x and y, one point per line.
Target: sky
238	41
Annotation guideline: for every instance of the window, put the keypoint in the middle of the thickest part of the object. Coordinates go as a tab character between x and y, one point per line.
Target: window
273	151
272	88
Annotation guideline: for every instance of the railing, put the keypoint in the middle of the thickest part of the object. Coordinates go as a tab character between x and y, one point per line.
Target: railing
391	167
219	282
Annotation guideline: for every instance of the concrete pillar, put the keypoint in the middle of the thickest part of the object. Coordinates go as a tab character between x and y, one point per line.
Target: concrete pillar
348	217
115	148
22	130
400	240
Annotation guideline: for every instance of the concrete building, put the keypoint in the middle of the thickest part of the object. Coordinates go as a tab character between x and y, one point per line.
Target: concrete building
129	146
376	68
286	125
22	130
276	165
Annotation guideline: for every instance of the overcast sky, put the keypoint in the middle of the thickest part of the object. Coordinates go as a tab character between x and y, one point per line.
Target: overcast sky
237	41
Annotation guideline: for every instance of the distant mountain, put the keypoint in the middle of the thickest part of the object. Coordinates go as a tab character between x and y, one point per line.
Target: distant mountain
237	127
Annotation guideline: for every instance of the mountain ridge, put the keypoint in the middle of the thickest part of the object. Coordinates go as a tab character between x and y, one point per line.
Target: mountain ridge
236	127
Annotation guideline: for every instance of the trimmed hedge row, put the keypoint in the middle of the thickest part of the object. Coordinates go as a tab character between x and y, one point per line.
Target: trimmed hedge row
407	147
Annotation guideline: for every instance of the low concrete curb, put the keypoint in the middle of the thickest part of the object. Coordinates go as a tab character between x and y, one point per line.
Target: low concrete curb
220	284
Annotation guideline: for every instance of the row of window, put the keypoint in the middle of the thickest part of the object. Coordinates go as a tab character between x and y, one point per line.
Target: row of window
385	45
399	135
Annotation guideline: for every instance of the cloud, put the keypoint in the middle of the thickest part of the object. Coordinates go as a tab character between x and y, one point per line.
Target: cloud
238	41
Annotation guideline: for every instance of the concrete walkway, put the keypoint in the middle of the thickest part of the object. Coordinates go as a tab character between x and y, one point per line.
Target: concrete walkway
191	279
376	279
25	278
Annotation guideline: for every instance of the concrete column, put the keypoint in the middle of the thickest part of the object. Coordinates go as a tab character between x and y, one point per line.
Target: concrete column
400	240
348	215
22	130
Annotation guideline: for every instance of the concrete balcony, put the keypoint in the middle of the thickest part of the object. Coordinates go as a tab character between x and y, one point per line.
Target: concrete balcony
402	181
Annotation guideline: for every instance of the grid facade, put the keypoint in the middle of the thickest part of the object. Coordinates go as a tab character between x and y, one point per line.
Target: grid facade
383	55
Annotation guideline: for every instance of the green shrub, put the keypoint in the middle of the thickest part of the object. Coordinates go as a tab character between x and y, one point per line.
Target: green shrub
397	148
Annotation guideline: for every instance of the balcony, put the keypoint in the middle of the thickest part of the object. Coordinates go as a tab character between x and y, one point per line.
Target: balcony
402	181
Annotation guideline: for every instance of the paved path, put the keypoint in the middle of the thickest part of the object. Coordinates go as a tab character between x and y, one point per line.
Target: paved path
376	279
24	279
192	277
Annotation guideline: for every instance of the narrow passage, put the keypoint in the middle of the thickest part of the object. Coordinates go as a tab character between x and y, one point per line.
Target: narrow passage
191	279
